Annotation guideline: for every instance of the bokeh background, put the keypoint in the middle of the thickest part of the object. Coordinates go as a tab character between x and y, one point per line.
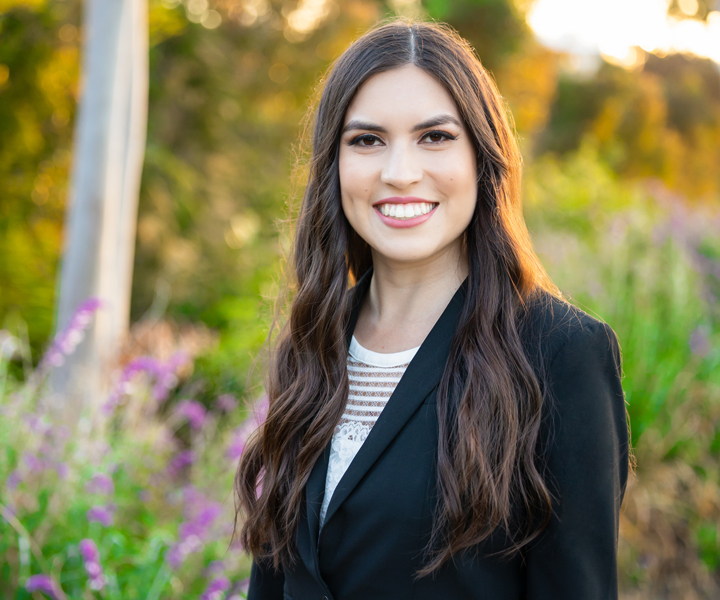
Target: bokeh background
617	108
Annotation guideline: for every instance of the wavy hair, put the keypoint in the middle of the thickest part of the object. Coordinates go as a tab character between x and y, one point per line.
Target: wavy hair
489	399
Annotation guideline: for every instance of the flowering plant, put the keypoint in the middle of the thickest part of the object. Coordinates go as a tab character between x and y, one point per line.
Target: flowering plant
134	501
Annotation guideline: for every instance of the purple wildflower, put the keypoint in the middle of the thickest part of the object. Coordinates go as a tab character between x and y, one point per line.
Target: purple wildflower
44	584
180	461
226	403
699	342
101	514
216	589
193	411
164	374
37	424
100	484
237	443
33	462
91	560
67	340
13	480
200	515
62	470
244	586
216	567
243	432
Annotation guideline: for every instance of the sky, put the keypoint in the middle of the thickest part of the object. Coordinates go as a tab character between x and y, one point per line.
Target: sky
615	28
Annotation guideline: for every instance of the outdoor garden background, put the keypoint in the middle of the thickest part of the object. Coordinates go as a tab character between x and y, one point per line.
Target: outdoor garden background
133	499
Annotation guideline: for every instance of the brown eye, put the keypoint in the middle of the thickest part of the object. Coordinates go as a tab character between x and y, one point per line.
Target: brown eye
435	137
366	140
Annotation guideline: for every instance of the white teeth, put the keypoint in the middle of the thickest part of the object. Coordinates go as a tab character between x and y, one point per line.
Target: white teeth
406	211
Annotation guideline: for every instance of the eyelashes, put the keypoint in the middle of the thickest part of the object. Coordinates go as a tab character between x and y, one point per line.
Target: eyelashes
371	138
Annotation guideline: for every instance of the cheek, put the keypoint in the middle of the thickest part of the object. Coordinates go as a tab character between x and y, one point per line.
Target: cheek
353	175
351	188
458	177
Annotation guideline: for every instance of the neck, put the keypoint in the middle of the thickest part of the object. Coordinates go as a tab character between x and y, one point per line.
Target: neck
405	300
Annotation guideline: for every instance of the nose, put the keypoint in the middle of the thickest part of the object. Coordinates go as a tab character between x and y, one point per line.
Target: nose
401	168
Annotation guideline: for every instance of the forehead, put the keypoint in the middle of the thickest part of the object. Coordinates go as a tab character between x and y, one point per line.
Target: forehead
403	94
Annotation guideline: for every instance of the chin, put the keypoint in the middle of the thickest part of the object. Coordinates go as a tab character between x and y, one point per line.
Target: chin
406	256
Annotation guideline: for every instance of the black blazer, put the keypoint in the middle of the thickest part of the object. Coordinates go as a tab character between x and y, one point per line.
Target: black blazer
380	516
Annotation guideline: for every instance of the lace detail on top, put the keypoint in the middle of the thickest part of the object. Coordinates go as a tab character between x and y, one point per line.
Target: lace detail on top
373	377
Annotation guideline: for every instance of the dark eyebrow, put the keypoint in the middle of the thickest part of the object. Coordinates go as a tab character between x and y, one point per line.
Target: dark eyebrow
434	122
363	125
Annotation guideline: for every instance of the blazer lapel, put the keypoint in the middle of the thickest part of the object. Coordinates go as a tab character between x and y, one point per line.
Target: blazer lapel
421	376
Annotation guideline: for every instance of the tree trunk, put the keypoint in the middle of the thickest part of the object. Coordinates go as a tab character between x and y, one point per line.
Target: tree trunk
101	217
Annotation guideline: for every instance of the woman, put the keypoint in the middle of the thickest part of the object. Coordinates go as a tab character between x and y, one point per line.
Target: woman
448	427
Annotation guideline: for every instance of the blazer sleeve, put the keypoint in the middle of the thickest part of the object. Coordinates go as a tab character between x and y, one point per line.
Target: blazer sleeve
265	582
588	451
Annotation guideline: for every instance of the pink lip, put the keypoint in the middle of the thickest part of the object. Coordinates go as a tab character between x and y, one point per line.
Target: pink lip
405	223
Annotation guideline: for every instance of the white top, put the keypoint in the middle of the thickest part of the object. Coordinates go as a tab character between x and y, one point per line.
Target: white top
373	377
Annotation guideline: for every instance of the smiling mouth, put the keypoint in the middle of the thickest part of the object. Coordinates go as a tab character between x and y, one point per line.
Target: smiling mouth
406	211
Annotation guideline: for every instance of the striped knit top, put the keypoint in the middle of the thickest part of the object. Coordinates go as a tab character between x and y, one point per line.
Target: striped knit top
373	377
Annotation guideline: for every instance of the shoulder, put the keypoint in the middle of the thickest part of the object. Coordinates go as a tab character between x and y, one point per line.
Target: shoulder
553	332
579	362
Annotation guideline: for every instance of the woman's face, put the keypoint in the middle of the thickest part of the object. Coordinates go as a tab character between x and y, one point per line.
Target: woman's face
407	168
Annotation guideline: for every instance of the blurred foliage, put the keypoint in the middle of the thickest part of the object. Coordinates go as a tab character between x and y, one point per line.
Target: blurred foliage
149	483
38	87
662	121
639	258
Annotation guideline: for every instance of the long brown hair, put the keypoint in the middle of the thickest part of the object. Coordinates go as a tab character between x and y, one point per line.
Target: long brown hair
489	399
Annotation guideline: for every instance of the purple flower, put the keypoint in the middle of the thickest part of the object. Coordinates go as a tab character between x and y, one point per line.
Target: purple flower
200	515
33	462
180	461
62	470
243	432
216	567
67	340
699	341
226	403
193	411
166	378
91	560
44	584
244	586
89	551
101	514
164	374
13	480
216	589
37	424
100	484
237	444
